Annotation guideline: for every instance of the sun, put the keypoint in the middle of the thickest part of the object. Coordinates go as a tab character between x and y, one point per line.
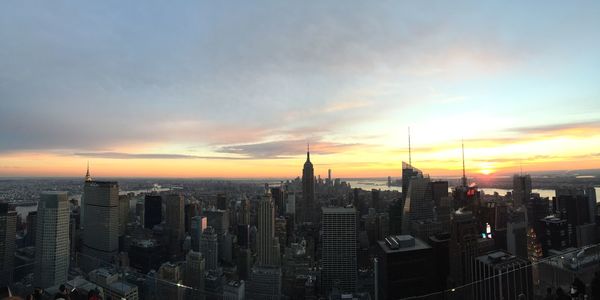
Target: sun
486	171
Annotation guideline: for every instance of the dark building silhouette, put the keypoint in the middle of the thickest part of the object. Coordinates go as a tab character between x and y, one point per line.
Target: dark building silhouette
439	243
243	237
8	224
278	195
573	205
190	211
308	190
174	222
439	190
31	228
376	199
395	212
406	267
516	233
502	276
537	209
152	211
554	234
521	189
465	244
221	201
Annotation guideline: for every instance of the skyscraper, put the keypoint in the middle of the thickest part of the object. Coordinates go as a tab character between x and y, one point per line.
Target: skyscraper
31	228
521	189
152	210
190	211
463	247
265	283
308	190
101	224
8	224
375	199
210	249
198	225
338	256
418	204
123	213
175	222
222	201
52	248
171	276
500	275
516	233
408	172
194	275
266	256
244	215
406	267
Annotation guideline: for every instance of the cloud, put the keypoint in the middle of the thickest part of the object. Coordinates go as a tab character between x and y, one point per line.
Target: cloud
285	149
123	155
583	127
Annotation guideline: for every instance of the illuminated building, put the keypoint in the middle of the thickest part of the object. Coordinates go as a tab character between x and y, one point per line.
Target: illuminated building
198	224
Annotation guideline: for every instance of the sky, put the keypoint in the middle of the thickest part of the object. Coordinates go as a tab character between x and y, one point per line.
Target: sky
238	88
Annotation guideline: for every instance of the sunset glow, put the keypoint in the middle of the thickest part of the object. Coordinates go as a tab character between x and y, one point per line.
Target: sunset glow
197	90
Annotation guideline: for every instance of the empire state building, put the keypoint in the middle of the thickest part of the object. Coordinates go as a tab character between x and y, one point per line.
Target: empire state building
308	189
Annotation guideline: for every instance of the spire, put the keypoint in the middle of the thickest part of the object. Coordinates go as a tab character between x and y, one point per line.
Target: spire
87	174
409	153
307	151
464	177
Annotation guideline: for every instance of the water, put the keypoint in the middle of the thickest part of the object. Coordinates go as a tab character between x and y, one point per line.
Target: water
23	211
369	184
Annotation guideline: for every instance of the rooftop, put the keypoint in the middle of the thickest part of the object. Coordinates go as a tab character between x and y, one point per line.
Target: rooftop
402	243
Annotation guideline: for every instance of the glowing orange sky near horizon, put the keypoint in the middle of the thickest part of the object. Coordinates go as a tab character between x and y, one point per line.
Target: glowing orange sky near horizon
559	150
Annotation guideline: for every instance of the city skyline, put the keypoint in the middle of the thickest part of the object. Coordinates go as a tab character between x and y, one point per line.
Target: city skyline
236	90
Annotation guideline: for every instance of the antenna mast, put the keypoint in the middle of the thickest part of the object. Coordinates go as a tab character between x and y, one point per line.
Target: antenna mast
409	153
464	177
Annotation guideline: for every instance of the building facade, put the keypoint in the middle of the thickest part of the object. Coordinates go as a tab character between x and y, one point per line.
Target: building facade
100	241
338	255
52	248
